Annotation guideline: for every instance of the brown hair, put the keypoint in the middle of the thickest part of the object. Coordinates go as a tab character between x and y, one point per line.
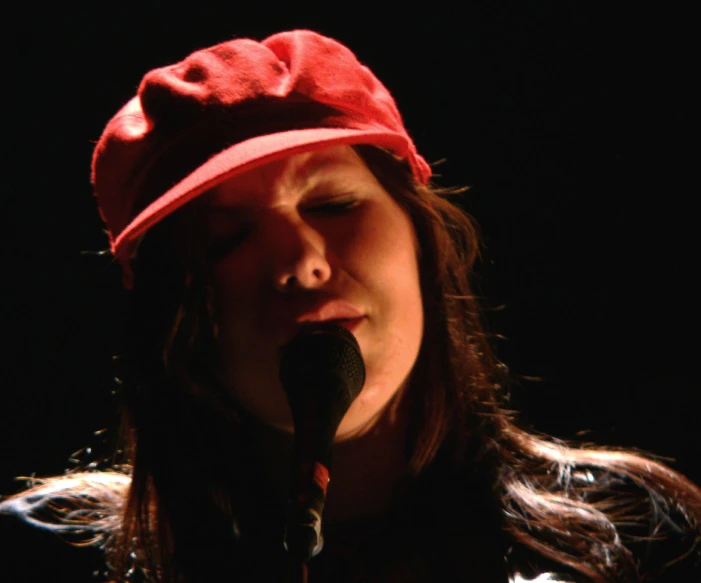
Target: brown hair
571	505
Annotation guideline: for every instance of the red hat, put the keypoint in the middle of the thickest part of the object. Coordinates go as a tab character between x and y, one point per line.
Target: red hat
229	108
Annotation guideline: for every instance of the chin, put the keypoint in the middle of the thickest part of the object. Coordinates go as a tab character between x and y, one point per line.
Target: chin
285	426
355	426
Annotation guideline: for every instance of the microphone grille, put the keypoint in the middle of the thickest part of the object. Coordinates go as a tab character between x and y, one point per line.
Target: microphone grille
323	349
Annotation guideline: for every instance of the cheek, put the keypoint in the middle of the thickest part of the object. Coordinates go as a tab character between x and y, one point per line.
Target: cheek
380	237
386	250
248	365
235	282
237	305
388	269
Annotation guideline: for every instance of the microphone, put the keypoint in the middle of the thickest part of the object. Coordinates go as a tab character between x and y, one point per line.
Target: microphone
322	372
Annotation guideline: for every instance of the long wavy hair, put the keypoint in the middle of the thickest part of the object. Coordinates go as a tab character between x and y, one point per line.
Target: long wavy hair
571	505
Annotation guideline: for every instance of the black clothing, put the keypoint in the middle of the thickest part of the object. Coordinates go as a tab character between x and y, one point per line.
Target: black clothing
441	530
29	554
33	555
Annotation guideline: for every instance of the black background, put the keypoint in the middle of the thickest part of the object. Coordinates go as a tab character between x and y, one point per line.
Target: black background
571	123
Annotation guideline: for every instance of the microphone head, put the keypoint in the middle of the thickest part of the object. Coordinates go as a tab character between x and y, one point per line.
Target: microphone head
322	369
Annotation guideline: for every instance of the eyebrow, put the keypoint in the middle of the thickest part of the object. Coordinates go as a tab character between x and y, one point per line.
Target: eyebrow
243	212
236	211
326	178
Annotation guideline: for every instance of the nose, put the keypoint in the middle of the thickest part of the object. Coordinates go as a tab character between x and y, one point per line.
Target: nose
299	256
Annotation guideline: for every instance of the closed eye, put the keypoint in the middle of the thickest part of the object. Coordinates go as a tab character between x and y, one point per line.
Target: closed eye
334	207
219	248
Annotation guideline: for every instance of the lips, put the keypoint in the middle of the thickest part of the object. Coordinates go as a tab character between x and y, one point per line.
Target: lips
331	310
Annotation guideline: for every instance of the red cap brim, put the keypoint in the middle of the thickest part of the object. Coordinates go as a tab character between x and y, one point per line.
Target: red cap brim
240	158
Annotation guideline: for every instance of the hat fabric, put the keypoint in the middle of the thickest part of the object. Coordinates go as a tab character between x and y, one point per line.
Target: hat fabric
230	108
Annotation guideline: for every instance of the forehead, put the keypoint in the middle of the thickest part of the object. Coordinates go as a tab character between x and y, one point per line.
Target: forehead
339	167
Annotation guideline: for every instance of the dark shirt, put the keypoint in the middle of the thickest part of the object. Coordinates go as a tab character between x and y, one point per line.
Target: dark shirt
430	537
34	555
29	554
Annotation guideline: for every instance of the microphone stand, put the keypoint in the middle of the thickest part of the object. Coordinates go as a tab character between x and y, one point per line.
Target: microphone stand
298	571
310	478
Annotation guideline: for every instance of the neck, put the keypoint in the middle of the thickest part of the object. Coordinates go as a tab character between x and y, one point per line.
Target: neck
365	472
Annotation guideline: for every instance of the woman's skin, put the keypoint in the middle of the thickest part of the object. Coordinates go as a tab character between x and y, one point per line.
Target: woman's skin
318	227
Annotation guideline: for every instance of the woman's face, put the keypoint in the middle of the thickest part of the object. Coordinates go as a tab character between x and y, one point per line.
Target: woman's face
312	236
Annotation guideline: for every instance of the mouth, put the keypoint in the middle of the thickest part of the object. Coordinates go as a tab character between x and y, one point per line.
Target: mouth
350	324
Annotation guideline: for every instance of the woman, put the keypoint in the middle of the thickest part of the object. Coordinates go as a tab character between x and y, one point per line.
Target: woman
255	188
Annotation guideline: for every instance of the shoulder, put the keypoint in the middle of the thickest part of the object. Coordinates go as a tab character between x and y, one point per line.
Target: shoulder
631	523
31	553
57	529
661	532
